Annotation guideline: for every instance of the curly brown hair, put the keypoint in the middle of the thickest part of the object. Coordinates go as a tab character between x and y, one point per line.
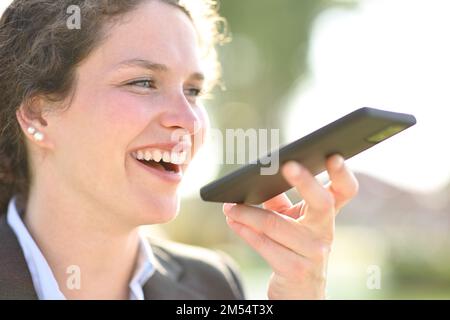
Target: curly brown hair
39	55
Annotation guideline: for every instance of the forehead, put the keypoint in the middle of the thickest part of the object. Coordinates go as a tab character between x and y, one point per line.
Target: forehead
155	31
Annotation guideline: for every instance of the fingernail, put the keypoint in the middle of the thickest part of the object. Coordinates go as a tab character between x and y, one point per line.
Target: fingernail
227	207
338	161
293	168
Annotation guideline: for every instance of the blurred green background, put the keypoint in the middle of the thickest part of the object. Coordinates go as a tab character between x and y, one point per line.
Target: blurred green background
296	64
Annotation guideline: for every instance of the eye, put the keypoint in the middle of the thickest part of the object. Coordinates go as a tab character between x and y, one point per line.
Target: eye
145	83
194	92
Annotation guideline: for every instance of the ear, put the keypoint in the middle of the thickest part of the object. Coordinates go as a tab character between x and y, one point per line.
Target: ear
31	119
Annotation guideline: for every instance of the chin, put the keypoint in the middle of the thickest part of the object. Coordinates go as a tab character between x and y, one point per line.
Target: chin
160	210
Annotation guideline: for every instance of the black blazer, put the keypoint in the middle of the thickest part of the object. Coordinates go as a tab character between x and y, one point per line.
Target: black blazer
182	272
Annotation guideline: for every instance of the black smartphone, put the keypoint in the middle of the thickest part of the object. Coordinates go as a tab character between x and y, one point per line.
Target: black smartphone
347	136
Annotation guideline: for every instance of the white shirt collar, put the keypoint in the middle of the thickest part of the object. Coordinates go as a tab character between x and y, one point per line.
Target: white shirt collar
44	281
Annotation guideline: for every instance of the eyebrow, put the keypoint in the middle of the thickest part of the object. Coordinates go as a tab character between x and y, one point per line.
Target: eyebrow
157	67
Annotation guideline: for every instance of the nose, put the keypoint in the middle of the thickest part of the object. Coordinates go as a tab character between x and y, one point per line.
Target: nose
180	114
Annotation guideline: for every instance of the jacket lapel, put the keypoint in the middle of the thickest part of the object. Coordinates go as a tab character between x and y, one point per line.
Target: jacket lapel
15	278
165	283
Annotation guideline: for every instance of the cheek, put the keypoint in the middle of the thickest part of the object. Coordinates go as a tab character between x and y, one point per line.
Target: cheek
124	114
202	129
101	126
119	118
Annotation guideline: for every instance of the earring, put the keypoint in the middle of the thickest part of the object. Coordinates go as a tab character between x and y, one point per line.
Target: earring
38	136
31	130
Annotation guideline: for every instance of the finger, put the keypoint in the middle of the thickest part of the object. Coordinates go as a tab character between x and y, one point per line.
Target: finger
281	229
282	260
343	185
278	203
283	205
320	201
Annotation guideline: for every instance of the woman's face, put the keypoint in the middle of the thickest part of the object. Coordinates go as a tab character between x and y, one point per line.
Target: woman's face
137	91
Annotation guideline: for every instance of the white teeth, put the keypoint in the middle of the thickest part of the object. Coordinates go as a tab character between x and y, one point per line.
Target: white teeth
174	158
178	158
157	155
148	156
166	157
182	157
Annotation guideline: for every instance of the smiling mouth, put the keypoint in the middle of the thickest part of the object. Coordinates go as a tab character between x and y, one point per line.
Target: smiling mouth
161	165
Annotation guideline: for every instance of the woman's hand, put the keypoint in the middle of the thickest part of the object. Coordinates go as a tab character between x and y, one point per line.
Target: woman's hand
296	240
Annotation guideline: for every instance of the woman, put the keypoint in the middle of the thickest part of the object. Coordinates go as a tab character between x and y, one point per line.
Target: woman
89	111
